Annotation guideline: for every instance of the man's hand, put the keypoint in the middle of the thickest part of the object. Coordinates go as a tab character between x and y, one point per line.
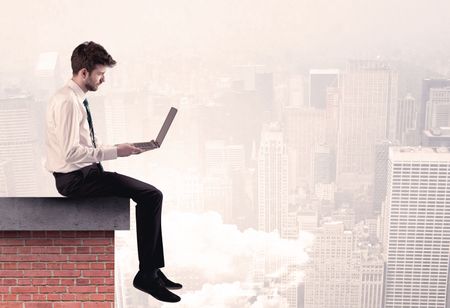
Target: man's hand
127	149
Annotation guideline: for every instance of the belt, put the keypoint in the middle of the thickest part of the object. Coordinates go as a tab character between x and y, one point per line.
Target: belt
84	170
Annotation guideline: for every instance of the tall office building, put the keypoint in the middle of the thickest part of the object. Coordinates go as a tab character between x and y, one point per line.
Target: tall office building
380	173
19	144
372	278
417	227
436	137
333	278
272	181
438	108
427	85
304	130
319	82
406	120
6	179
367	113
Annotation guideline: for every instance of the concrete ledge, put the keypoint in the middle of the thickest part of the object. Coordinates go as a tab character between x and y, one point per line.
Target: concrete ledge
58	213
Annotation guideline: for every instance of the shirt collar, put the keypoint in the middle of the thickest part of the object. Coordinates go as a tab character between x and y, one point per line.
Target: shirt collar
76	88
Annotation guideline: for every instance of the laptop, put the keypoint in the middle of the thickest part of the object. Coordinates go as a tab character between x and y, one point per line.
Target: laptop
153	144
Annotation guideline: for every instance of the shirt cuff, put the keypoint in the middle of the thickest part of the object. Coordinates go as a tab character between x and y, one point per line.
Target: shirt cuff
109	152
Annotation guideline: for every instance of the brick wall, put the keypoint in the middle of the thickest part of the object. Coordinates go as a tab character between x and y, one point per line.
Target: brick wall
56	269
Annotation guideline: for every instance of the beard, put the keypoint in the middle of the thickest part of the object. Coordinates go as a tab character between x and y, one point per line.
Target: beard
90	85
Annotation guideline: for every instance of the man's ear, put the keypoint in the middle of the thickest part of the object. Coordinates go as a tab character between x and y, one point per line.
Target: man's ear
84	73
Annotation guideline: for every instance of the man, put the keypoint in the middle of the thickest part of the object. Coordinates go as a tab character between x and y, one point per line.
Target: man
74	155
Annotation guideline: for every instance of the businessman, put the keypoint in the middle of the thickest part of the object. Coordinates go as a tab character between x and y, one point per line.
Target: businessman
74	156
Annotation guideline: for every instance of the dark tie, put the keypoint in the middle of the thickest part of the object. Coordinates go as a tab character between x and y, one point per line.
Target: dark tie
91	127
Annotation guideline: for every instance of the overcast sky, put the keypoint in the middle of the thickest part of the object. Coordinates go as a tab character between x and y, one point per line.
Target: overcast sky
323	28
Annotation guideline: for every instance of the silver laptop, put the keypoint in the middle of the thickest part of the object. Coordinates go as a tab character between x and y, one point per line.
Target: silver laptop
153	144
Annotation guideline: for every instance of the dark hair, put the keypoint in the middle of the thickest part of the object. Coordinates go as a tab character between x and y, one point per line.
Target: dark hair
88	55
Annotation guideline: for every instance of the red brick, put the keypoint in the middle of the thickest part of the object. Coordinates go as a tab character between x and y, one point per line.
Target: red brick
24	250
81	296
83	258
82	289
109	281
109	265
11	273
68	297
8	282
67	242
35	234
97	242
26	289
52	258
38	305
97	281
97	266
9	250
24	297
39	242
98	273
67	305
83	249
39	281
45	249
24	265
10	266
69	234
39	297
11	305
98	305
4	290
106	289
83	282
97	234
97	297
38	266
38	273
53	234
105	258
54	266
67	273
68	266
67	282
10	297
24	282
98	249
52	289
11	242
68	250
82	266
54	297
109	297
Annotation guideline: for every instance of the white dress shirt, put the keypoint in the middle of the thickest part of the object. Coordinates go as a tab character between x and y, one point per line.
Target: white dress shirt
69	144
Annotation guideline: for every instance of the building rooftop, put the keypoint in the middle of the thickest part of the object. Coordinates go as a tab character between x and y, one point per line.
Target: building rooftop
419	153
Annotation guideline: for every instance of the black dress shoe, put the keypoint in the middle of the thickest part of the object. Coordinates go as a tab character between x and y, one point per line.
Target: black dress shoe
167	282
154	287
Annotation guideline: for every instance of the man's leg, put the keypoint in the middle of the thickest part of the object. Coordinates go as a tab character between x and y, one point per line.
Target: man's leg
148	210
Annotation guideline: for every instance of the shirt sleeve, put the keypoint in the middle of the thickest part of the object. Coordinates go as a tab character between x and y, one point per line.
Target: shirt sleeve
67	122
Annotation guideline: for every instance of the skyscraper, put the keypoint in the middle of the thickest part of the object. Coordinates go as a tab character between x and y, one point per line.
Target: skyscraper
406	120
367	114
417	227
428	84
272	181
319	81
333	278
438	108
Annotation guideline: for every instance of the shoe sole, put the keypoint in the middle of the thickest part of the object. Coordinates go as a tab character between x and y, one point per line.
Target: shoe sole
160	299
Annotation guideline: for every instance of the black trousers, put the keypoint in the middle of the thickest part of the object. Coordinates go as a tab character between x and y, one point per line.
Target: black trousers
91	181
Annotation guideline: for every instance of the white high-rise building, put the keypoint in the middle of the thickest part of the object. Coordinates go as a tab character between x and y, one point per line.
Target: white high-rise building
417	227
272	181
333	278
406	119
367	114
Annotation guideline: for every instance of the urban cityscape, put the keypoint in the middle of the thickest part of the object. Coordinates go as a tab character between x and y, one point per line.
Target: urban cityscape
289	179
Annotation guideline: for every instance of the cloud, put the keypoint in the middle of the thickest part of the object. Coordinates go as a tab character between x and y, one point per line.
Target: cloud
226	295
220	252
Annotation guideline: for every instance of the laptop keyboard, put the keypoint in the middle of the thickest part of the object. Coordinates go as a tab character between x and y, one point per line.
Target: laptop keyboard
145	145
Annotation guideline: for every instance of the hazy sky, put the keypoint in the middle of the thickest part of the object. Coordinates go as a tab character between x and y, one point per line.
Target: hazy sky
323	28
